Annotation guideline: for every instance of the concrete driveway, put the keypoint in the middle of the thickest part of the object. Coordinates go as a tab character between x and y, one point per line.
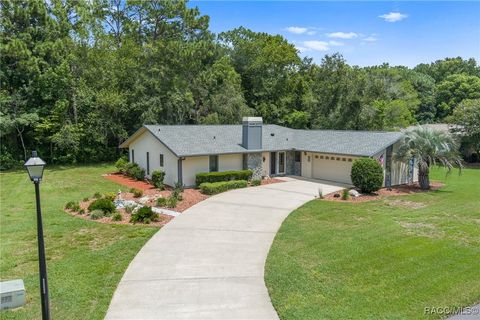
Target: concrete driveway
208	263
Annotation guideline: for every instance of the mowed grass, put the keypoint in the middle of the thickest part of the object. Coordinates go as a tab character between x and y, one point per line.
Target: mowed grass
387	259
85	259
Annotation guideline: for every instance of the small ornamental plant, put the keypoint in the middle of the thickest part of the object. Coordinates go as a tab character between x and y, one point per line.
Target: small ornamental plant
145	215
104	205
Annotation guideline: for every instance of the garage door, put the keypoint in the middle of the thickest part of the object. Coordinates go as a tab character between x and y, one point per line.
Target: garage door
332	168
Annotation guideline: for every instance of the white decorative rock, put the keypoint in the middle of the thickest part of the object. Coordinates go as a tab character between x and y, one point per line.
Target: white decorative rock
354	193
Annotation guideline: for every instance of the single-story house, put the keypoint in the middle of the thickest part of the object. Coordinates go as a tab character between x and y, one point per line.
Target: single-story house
182	151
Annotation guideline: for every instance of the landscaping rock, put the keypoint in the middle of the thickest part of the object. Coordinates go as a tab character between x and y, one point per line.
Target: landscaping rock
354	193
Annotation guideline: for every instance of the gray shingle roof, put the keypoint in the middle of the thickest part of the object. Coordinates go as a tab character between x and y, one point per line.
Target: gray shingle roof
190	140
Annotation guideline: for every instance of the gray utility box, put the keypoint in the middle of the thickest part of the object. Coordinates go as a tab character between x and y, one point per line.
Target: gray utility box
12	294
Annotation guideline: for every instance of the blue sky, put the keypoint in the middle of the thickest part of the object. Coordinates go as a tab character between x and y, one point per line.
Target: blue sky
366	33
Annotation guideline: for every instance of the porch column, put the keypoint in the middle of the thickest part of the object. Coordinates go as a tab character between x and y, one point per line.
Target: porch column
254	163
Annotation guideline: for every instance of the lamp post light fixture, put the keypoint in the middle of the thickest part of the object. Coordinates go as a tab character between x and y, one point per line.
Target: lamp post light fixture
35	167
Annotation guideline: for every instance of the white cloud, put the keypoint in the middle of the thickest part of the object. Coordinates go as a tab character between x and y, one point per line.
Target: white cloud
371	38
393	16
297	30
316	45
335	43
301	30
342	35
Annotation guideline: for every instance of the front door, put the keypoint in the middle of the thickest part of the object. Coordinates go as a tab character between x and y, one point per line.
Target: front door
273	163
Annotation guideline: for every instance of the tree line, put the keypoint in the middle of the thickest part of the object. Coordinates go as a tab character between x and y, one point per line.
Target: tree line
77	77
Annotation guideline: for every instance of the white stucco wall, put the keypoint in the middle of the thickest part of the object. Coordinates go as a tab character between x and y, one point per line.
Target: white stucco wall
400	169
230	162
193	165
266	164
307	164
146	142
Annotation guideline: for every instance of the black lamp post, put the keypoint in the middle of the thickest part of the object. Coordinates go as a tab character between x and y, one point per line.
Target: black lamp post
35	167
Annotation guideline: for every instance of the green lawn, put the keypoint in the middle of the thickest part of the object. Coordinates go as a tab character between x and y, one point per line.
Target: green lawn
86	259
386	259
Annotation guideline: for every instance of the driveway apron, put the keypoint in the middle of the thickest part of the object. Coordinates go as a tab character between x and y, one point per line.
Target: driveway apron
208	263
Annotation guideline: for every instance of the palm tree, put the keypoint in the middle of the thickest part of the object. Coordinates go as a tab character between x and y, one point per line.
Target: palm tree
429	147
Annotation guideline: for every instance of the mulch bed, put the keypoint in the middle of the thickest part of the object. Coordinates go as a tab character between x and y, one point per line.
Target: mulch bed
190	197
128	182
163	218
400	190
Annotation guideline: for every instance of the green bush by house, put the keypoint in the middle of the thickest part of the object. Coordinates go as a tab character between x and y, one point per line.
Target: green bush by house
367	175
121	164
223	176
157	179
222	186
133	170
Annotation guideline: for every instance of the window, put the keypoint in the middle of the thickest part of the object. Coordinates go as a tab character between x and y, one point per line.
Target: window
148	163
298	156
316	157
327	157
349	159
321	157
344	159
161	160
133	156
213	163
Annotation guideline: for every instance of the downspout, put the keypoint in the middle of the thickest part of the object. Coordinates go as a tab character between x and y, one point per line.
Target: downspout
180	172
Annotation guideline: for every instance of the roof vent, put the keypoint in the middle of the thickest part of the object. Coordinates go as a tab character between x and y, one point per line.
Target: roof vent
272	134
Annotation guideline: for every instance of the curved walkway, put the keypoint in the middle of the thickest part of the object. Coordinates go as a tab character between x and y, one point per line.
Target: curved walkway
208	263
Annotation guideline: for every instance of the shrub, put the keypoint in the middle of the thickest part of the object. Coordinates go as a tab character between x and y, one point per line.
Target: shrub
345	194
129	208
134	171
256	182
86	199
110	196
217	187
177	190
162	202
70	205
103	204
121	164
172	201
117	216
144	214
157	179
137	193
97	195
367	175
223	176
96	214
81	211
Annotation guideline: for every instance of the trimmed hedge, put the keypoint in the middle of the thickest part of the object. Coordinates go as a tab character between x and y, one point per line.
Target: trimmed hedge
367	175
222	186
223	176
